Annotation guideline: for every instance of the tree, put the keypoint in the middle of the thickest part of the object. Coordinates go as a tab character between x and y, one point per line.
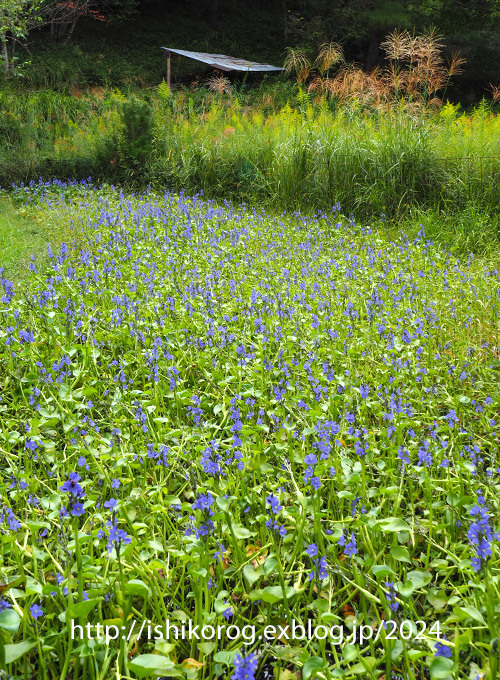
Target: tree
17	19
458	16
63	15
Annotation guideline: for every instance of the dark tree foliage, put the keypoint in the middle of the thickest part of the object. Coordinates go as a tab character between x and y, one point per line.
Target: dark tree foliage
118	10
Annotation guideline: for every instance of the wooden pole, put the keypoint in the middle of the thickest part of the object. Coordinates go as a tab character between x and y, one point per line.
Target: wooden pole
168	69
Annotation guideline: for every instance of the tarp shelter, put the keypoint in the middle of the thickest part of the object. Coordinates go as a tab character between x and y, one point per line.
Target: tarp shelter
220	61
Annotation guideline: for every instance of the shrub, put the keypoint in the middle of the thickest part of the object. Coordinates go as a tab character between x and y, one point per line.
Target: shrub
136	138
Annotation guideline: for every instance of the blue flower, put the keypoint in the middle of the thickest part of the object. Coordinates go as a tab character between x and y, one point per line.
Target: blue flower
220	553
312	550
348	543
204	502
245	667
391	596
111	504
4	604
72	486
273	501
319	572
364	391
195	411
83	463
7	516
443	650
36	611
77	510
274	526
117	537
480	533
451	417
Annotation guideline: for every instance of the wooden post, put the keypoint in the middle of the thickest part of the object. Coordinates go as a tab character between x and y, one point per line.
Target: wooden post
168	68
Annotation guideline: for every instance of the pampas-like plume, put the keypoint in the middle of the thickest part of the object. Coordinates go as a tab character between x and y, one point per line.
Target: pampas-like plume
330	54
297	62
219	84
416	71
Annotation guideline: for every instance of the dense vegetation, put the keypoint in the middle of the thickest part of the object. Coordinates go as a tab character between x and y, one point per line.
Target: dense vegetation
437	167
211	413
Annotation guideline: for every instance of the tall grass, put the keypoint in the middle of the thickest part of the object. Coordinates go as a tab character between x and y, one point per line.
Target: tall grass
302	155
312	157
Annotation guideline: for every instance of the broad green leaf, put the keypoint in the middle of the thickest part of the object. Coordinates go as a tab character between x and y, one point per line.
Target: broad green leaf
366	667
414	581
74	611
137	587
419	578
274	594
470	612
401	554
223	503
441	668
350	652
241	532
156	545
252	574
10	620
226	658
32	587
150	664
380	570
312	666
171	500
15	652
35	526
437	598
390	524
269	565
397	650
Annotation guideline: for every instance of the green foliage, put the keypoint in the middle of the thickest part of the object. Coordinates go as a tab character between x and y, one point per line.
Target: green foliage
17	18
136	138
120	51
22	236
117	10
164	92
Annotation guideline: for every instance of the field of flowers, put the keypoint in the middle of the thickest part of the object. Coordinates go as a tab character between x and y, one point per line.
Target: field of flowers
219	417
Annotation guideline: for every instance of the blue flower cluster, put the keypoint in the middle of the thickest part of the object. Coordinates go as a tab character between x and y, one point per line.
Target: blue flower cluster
481	533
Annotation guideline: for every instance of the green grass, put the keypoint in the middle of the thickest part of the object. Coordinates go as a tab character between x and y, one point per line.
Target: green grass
20	237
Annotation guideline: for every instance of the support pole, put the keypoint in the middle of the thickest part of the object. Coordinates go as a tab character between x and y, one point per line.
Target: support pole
169	54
